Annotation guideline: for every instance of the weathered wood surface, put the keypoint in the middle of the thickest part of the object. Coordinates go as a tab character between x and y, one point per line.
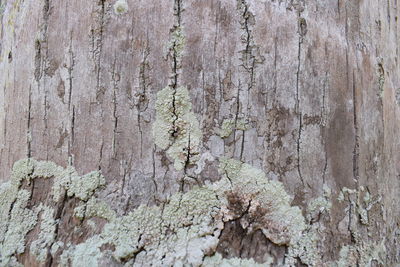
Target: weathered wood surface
314	84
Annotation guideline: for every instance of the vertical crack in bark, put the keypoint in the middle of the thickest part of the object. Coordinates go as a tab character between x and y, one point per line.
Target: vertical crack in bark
302	30
298	148
250	57
70	70
236	115
142	94
72	133
323	123
29	129
176	57
97	35
356	151
71	111
115	79
59	213
153	174
44	44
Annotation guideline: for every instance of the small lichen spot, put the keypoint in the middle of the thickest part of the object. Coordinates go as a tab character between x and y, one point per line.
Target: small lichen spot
120	7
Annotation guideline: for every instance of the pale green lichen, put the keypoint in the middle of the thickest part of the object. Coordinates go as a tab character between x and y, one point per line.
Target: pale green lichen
120	7
177	42
217	260
55	247
366	254
17	224
187	227
181	230
285	223
16	220
361	199
48	225
229	125
319	205
176	128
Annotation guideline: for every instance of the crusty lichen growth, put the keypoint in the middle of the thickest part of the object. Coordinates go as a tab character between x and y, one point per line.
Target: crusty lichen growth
16	219
176	128
16	225
362	254
284	224
217	260
185	230
177	42
181	230
187	227
360	200
229	125
120	7
40	247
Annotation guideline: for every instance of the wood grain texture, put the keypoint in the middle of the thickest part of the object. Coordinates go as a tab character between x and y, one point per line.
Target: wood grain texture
314	81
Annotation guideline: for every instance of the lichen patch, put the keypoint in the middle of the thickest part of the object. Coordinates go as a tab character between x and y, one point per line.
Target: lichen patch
176	128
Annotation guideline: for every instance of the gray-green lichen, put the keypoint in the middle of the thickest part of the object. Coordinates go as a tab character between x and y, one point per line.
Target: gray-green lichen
120	7
361	200
187	227
39	247
217	260
177	42
176	128
17	218
284	224
184	230
229	125
363	254
16	224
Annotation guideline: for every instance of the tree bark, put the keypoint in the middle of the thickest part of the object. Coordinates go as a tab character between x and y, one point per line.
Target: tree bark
199	133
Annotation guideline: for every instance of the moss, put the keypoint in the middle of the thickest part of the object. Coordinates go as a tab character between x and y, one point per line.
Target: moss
176	128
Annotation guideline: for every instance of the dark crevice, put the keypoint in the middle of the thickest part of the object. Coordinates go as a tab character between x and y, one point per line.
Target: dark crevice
115	79
176	61
59	212
356	150
302	31
29	130
245	242
70	70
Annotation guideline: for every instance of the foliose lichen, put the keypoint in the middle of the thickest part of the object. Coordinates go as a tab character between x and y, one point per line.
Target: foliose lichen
176	128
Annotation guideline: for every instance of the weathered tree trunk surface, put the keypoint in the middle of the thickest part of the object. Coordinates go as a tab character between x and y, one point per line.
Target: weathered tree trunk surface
211	132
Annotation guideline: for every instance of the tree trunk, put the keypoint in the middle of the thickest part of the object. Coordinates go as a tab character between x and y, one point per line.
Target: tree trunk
199	133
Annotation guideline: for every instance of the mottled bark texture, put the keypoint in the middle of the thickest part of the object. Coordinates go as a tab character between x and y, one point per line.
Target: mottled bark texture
167	99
